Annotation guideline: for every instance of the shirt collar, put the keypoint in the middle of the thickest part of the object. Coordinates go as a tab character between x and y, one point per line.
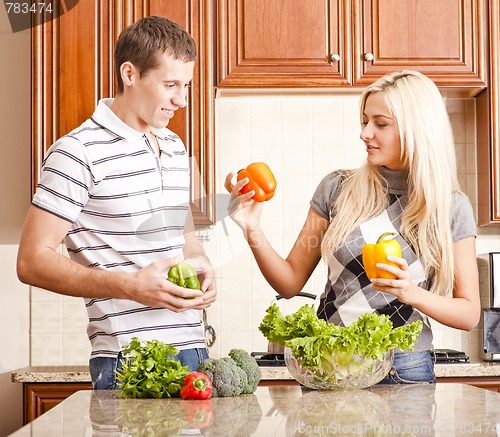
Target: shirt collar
103	115
396	181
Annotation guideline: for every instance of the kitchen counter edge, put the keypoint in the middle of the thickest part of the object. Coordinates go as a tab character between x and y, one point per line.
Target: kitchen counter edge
72	374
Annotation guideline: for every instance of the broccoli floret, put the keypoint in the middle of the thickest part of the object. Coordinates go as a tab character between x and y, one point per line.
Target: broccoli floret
227	379
248	364
238	373
242	376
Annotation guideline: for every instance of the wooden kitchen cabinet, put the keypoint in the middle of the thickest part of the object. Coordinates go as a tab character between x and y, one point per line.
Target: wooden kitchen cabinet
285	43
72	68
443	39
278	382
39	398
488	383
488	130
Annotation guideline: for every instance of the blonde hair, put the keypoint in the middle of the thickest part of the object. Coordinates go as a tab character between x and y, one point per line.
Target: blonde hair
427	150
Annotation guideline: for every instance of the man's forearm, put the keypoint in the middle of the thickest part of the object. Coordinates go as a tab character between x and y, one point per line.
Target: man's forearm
55	272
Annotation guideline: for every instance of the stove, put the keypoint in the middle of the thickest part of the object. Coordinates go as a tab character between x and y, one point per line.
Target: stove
449	356
265	359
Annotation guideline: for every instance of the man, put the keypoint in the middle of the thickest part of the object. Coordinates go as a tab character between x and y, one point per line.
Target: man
116	190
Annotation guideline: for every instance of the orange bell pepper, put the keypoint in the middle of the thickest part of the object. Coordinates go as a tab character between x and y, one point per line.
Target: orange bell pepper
261	180
377	253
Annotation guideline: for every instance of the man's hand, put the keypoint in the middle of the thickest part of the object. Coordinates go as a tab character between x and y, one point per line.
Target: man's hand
151	288
206	275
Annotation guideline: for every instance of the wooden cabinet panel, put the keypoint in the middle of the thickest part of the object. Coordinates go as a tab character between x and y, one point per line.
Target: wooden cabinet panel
491	383
72	66
287	43
41	397
283	43
488	130
443	39
273	382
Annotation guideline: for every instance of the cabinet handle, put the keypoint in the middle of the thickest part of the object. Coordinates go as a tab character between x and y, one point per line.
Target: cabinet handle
369	56
335	57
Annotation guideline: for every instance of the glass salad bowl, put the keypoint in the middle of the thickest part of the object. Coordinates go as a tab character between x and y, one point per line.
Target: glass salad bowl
354	372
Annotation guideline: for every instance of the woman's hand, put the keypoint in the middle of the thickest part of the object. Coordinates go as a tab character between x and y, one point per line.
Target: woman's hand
402	286
242	208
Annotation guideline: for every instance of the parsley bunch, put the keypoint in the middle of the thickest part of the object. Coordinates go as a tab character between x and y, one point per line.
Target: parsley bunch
149	371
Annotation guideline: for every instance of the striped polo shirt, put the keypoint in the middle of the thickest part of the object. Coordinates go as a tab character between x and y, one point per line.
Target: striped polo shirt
127	207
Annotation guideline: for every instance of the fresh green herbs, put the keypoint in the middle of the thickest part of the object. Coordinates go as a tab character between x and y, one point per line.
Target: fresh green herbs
150	371
315	341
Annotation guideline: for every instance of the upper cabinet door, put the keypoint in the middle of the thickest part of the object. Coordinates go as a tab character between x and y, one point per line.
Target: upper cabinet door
488	130
72	68
283	43
444	39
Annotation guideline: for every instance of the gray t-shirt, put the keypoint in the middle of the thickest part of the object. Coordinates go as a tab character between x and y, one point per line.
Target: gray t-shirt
348	291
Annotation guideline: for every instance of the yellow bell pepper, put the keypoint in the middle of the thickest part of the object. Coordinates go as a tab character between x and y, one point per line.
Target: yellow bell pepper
377	253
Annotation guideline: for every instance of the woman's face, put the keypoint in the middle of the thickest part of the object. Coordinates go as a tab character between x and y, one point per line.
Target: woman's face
380	134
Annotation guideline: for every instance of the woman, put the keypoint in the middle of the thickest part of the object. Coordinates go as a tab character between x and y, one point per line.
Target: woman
408	185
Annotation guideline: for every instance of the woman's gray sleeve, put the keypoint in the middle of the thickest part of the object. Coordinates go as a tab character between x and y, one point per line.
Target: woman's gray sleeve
324	197
463	223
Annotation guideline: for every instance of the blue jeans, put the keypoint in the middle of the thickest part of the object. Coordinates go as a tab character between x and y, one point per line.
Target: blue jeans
411	368
103	369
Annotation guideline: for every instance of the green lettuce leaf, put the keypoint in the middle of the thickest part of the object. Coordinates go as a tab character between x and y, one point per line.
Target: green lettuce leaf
314	340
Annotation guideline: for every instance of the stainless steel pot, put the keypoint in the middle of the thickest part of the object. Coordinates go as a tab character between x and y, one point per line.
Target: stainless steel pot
276	348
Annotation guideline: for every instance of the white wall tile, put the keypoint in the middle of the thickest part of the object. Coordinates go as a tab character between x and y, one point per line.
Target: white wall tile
261	290
41	295
235	286
235	315
233	120
461	157
234	339
46	349
296	123
265	126
459	127
46	318
75	349
74	316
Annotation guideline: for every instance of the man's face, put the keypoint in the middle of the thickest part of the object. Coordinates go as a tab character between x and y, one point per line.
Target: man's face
155	96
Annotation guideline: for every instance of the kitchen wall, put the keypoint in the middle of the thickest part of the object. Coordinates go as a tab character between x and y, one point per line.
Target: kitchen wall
302	135
15	198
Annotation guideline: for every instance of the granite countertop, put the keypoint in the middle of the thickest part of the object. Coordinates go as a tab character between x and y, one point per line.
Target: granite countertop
81	373
279	411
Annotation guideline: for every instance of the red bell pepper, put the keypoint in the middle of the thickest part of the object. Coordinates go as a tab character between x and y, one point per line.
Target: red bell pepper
198	414
197	385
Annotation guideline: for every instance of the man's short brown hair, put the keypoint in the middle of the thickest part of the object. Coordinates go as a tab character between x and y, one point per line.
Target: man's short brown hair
143	41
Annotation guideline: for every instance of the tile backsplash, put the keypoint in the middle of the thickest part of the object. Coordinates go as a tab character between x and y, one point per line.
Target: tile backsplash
302	136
